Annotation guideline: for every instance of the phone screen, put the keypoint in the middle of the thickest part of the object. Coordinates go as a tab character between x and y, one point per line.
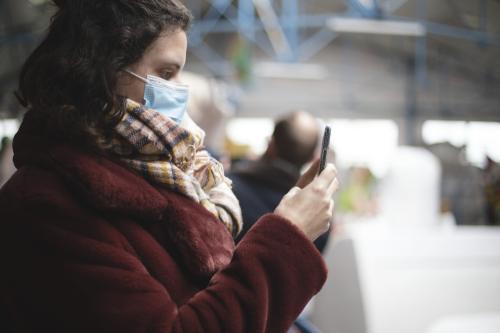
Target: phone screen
324	148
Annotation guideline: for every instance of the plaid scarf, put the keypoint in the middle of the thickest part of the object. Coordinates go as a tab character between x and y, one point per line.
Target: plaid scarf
172	156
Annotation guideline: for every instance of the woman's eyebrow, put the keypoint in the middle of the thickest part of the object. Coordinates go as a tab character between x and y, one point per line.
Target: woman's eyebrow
170	64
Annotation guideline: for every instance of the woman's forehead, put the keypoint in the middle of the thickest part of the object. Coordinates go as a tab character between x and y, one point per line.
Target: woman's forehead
167	50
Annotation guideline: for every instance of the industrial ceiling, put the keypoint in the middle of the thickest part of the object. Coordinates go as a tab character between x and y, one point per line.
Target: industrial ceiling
441	60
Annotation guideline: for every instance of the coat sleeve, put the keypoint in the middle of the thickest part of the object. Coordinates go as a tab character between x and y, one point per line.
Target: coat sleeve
62	280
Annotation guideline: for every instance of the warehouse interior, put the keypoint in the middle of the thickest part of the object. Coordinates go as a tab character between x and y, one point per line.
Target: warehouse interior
411	90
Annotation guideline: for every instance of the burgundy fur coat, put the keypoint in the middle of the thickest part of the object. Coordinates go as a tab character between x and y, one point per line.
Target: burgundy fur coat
89	246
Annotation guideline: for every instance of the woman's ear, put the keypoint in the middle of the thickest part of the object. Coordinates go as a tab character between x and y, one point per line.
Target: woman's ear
130	87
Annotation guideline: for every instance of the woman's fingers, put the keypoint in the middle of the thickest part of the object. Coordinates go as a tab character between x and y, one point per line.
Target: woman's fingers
293	191
327	182
333	187
326	177
311	208
309	175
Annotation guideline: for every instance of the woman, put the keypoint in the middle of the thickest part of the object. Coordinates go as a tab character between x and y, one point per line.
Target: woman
117	220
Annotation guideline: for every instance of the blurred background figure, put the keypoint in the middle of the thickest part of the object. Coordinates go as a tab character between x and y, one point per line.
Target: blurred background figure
259	185
462	185
209	106
492	189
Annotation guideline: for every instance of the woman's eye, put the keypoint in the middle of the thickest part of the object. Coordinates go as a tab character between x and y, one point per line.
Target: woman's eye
167	75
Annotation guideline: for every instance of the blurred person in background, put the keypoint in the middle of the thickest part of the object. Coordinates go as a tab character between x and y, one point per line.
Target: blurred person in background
117	220
209	107
492	189
259	185
462	185
7	167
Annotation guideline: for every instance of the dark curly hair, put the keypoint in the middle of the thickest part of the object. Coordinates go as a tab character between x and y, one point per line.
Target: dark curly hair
70	79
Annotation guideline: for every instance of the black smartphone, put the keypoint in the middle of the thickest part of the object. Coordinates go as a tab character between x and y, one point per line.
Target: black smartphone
324	148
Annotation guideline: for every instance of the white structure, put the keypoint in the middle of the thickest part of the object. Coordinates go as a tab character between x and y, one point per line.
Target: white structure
410	192
482	323
383	281
404	272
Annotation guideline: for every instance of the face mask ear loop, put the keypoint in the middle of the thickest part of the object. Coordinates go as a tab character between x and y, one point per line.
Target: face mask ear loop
136	76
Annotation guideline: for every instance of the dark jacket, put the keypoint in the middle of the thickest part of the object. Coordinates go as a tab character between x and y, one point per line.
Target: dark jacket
89	246
260	185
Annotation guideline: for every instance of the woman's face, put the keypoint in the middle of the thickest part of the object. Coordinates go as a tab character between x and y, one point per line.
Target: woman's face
165	58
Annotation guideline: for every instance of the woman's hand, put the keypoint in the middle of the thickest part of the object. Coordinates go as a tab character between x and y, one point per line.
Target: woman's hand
311	208
309	175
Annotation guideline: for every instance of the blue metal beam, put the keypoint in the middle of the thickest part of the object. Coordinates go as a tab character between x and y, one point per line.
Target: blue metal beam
246	18
224	17
217	9
449	31
230	25
421	47
365	11
289	18
316	43
215	62
460	33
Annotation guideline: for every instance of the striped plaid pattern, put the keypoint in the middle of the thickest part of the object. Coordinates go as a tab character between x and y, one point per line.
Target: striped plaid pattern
172	155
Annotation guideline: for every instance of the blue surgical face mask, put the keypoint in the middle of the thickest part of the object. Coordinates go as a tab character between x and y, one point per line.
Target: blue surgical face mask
166	97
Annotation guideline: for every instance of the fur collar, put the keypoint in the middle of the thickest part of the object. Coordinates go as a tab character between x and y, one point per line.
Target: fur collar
201	244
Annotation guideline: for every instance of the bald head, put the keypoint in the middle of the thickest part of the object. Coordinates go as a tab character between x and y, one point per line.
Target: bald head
295	137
